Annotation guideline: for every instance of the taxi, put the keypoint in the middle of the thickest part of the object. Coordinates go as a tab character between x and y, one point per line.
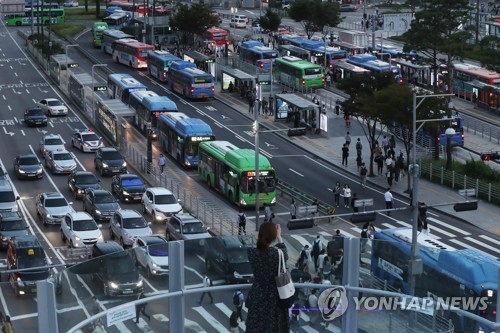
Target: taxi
86	140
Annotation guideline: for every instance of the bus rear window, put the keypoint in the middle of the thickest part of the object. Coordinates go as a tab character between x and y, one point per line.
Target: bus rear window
203	79
312	71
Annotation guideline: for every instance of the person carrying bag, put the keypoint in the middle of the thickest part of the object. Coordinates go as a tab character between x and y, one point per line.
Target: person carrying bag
286	289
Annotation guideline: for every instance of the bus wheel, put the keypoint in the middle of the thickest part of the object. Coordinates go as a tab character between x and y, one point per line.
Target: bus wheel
209	184
18	23
230	196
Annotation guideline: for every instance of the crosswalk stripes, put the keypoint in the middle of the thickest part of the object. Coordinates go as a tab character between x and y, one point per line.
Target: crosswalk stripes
436	221
211	320
482	244
489	238
227	311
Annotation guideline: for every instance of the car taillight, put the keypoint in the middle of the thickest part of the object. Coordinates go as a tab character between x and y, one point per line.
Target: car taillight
304	82
192	91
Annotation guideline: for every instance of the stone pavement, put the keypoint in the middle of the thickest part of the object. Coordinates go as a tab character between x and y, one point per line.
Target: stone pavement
329	149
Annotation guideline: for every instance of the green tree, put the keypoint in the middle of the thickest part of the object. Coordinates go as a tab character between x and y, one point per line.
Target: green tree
270	21
488	52
192	21
439	28
315	15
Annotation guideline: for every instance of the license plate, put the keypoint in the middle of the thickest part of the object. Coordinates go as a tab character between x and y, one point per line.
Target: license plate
31	175
137	198
33	290
128	291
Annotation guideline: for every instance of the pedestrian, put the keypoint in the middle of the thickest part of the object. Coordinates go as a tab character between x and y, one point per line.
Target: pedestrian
305	255
6	324
337	107
359	162
296	273
251	101
401	162
141	308
313	304
396	172
321	259
293	210
337	243
353	200
364	237
328	80
362	175
336	194
388	174
265	313
392	142
347	119
359	147
268	213
348	139
316	247
233	323
207	283
385	144
347	195
377	151
241	219
379	159
388	200
238	300
345	154
388	163
265	107
161	162
259	106
326	269
271	105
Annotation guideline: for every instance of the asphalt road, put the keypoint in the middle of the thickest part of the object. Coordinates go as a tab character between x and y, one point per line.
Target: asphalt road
293	165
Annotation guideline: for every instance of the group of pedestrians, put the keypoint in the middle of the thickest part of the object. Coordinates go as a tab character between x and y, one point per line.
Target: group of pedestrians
345	192
385	156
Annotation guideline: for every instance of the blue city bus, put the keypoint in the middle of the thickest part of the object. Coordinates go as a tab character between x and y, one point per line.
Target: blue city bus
109	36
120	86
317	50
457	123
159	62
148	106
447	272
393	51
184	78
376	66
179	136
257	54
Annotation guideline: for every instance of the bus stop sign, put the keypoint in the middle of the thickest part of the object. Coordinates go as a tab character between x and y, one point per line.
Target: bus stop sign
264	79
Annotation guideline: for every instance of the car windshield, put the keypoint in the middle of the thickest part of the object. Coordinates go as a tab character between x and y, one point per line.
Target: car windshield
62	157
86	179
131	182
7	196
52	142
238	256
54	103
35	112
57	202
111	156
165	199
158	250
90	137
104	198
84	225
193	228
12	225
31	160
134	223
120	264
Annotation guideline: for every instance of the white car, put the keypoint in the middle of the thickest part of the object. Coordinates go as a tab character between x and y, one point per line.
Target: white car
71	4
60	161
86	140
53	107
241	17
51	142
160	203
151	252
51	207
80	229
238	23
127	225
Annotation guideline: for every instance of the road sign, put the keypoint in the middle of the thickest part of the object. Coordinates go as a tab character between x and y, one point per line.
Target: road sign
100	88
363	202
264	79
467	192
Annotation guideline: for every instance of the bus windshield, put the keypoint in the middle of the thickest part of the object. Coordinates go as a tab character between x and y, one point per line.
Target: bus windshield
266	183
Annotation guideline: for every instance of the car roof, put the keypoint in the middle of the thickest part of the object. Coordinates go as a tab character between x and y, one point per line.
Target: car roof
11	216
26	241
238	241
127	213
81	173
127	176
26	156
80	216
154	239
52	195
99	191
33	108
159	190
186	218
5	185
51	99
108	247
104	149
62	151
52	135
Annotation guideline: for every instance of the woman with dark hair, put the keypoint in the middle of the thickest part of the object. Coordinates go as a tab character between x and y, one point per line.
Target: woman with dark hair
265	313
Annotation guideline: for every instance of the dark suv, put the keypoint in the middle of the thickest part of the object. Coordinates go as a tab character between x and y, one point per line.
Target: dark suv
79	181
11	225
109	161
100	204
116	270
227	258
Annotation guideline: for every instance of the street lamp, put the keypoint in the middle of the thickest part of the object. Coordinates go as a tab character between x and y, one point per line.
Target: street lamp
256	133
93	92
450	133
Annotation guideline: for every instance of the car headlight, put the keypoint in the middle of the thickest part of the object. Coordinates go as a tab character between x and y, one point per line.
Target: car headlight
4	238
85	144
77	238
159	217
100	237
155	265
105	165
140	283
124	164
98	212
48	216
81	190
125	193
22	171
113	285
237	275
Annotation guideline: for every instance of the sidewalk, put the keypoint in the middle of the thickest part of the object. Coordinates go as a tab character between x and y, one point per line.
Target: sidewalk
329	149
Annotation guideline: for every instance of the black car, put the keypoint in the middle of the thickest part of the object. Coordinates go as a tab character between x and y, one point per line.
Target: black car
100	204
109	161
227	258
28	167
79	181
128	187
35	116
115	270
11	225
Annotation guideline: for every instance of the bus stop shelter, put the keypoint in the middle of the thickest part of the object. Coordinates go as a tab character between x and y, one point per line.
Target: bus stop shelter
238	78
203	62
297	110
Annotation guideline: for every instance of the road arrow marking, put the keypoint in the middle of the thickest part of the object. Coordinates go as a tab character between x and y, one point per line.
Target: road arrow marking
9	133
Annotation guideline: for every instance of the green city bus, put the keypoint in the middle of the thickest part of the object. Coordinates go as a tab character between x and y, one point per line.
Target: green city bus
296	72
97	30
231	171
40	16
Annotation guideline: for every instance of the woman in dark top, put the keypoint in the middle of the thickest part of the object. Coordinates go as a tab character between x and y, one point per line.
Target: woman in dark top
265	314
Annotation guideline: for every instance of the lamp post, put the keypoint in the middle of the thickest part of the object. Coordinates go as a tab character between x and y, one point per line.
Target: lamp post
93	93
450	132
234	10
257	203
416	266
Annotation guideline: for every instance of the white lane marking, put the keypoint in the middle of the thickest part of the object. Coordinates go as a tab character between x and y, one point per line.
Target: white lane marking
227	311
24	134
464	245
298	173
486	246
3	96
211	320
8	106
434	214
15	119
51	124
441	231
436	221
300	239
404	224
494	241
388	225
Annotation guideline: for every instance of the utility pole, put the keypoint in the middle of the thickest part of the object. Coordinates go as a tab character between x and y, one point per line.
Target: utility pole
477	21
256	133
374	17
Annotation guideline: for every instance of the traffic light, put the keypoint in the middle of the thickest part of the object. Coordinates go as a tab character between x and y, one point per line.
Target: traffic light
491	156
465	206
296	131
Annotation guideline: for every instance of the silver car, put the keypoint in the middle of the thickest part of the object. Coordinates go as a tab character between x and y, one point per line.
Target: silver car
51	142
151	252
51	207
126	225
53	107
60	161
